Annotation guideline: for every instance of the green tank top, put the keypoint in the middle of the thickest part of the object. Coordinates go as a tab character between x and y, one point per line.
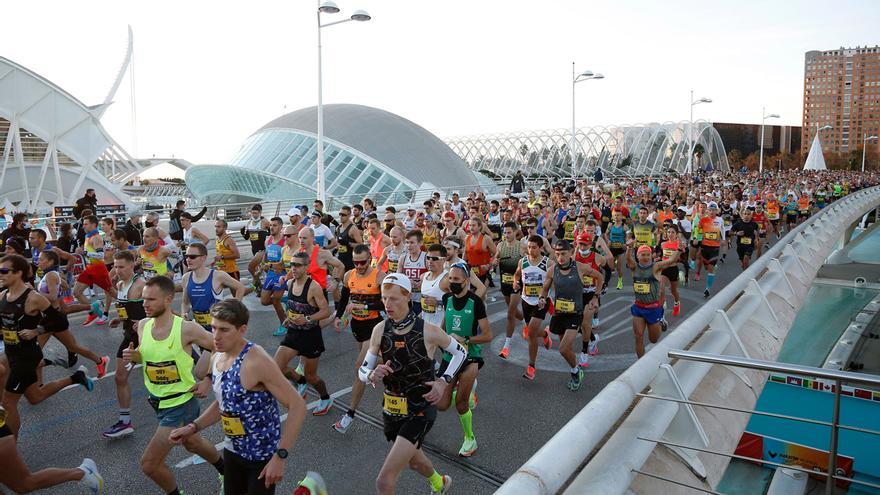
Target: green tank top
462	323
167	365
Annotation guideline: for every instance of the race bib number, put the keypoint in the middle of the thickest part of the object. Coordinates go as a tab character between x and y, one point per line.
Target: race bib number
395	405
532	290
162	373
507	278
122	312
428	308
342	249
10	337
617	245
564	305
745	240
667	253
360	313
726	222
392	266
475	270
495	236
606	219
587	280
202	318
711	236
291	315
642	287
232	425
254	236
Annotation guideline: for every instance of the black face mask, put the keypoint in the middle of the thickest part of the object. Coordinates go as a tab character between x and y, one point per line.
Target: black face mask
456	287
149	223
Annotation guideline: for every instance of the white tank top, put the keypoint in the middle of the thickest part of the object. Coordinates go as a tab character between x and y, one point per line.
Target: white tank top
533	277
413	269
432	288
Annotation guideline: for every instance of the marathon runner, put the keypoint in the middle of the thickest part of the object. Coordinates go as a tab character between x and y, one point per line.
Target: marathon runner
361	299
164	344
306	308
647	310
389	258
203	286
479	250
746	232
273	265
435	285
531	272
255	231
510	251
347	236
588	255
413	265
154	256
95	273
712	228
672	242
225	249
405	343
616	236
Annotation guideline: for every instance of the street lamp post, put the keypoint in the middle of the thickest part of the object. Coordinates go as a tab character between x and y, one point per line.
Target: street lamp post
764	117
583	76
691	130
327	7
865	139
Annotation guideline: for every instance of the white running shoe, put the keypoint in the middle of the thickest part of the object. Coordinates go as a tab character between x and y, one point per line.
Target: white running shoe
92	478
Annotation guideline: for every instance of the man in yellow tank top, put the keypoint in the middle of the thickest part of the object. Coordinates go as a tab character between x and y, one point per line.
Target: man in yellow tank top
227	251
165	342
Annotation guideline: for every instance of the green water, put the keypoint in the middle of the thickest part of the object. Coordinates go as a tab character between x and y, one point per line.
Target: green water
868	251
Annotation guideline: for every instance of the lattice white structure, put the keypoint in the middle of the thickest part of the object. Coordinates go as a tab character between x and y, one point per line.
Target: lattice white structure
53	146
642	149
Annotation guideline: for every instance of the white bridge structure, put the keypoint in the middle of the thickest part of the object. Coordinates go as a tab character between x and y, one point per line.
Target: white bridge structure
634	150
53	146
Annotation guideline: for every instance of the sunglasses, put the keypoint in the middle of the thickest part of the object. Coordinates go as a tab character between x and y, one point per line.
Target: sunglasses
433	258
360	262
343	214
287	235
193	256
6	271
297	265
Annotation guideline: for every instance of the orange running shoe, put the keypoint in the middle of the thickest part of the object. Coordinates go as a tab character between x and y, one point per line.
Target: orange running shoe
676	309
530	373
548	343
525	332
505	353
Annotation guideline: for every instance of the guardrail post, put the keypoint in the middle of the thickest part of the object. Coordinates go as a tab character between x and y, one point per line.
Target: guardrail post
685	428
789	251
785	290
722	323
832	447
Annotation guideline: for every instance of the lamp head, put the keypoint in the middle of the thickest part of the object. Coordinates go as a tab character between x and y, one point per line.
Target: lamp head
360	15
328	7
872	137
586	73
826	127
772	116
598	76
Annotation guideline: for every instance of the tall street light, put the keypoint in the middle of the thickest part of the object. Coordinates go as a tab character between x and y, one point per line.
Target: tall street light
583	76
764	116
865	139
690	164
328	7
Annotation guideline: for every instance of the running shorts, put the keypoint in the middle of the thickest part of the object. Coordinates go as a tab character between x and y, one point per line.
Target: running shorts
530	312
468	360
671	273
413	427
307	343
650	315
561	323
22	372
243	476
363	329
271	282
743	251
177	416
710	254
95	274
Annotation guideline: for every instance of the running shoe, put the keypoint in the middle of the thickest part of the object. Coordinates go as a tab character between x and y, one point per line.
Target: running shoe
525	332
447	484
80	377
68	300
548	342
692	264
72	358
301	389
505	353
595	322
676	309
102	320
468	447
706	293
619	283
530	373
583	360
91	477
697	277
96	308
90	319
664	325
282	330
593	346
119	429
575	382
312	484
323	407
343	424
604	290
102	366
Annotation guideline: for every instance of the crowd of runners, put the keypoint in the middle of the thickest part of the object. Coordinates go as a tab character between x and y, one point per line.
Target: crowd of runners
411	286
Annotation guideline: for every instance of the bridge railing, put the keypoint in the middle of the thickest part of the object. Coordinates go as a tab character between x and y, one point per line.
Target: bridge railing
713	328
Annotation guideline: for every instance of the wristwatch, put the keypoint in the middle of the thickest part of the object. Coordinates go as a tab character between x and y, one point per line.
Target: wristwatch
282	453
308	319
447	379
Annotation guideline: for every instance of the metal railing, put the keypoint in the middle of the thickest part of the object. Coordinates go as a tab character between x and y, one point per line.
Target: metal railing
597	430
838	377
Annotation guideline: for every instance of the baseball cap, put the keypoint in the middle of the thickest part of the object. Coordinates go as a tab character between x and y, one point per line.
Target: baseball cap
585	238
451	242
316	213
399	280
713	205
294	211
643	249
449	215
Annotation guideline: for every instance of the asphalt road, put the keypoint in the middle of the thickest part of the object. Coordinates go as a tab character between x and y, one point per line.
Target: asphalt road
514	416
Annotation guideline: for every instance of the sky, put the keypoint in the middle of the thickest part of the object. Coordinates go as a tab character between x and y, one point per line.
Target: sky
209	74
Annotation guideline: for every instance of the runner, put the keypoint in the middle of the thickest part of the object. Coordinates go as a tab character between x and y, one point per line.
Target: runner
190	234
154	256
18	477
347	236
320	263
712	228
95	273
616	236
129	311
479	251
531	272
390	256
164	342
465	320
746	231
647	310
510	252
672	243
306	307
361	299
226	250
589	256
405	342
378	243
273	265
247	387
255	231
203	286
413	265
434	285
567	281
20	312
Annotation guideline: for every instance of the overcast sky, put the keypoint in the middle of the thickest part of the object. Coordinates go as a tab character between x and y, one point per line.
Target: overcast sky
208	74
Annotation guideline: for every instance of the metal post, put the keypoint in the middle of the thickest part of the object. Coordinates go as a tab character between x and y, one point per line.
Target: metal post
832	447
691	136
761	156
571	143
320	161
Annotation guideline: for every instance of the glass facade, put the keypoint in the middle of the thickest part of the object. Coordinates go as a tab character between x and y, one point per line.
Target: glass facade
290	156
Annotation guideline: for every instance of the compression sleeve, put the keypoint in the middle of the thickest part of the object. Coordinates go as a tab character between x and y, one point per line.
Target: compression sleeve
458	355
369	363
343	302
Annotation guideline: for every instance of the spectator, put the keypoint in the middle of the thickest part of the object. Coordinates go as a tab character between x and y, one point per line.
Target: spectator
88	202
134	230
518	184
326	218
598	176
19	228
174	228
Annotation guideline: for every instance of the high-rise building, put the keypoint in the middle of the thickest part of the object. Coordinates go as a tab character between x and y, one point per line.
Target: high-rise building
841	89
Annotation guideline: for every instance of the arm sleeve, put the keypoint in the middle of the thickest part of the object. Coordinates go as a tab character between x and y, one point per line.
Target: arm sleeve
458	356
343	301
368	365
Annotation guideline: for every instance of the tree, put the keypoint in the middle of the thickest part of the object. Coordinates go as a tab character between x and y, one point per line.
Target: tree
734	158
751	161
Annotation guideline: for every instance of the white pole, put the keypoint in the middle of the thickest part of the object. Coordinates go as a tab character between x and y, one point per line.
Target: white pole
761	156
571	143
691	136
320	161
864	142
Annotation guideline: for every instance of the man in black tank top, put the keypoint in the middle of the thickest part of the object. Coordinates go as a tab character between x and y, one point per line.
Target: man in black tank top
405	344
20	312
347	235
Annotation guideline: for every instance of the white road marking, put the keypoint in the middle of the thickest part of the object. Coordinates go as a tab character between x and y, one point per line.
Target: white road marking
108	375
